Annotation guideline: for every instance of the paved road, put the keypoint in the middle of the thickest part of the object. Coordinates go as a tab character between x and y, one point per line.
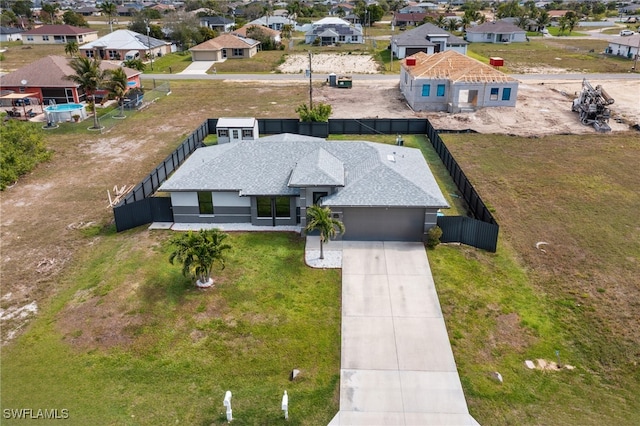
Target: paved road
374	77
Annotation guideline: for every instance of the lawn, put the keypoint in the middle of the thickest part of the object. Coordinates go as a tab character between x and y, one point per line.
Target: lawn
579	296
161	353
131	341
571	55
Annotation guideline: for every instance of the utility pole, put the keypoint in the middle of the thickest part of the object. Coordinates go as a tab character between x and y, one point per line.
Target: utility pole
635	58
149	43
310	85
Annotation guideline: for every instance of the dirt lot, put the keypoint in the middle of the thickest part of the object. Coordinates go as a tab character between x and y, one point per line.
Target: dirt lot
543	107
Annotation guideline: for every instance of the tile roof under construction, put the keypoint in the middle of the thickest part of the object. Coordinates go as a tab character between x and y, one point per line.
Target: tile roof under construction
453	66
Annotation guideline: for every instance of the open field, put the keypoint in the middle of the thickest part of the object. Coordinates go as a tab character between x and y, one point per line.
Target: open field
573	192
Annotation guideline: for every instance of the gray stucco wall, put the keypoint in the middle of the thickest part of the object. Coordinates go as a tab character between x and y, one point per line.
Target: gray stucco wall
412	90
228	207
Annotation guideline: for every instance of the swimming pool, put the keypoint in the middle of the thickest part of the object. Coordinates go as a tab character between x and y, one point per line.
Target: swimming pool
64	112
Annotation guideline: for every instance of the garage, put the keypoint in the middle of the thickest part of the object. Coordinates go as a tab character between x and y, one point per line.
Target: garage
383	224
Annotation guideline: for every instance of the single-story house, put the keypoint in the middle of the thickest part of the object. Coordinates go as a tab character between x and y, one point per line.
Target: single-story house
10	33
273	34
343	9
121	44
234	129
274	22
624	46
217	23
59	34
334	30
45	80
450	81
531	24
426	38
408	19
225	46
87	11
496	32
379	191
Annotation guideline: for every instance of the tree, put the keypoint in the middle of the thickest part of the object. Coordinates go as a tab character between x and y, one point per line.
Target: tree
71	48
50	10
258	33
89	77
320	219
117	86
452	24
563	22
572	20
22	8
543	19
319	113
72	18
110	9
198	252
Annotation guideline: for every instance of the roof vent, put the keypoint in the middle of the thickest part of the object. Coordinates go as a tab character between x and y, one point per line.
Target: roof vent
391	158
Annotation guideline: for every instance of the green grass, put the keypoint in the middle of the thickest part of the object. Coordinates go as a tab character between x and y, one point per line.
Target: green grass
183	347
555	31
578	297
570	54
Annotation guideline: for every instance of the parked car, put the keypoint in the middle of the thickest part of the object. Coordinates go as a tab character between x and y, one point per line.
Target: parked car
626	33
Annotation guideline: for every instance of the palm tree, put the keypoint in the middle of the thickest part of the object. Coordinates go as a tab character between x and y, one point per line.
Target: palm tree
89	77
110	9
563	22
198	251
543	19
71	48
452	24
320	219
117	86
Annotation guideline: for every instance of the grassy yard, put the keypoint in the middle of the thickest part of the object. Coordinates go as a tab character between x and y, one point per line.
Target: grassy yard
579	296
131	341
122	337
573	55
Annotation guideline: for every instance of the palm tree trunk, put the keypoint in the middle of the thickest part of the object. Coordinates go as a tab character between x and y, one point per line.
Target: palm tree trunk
321	247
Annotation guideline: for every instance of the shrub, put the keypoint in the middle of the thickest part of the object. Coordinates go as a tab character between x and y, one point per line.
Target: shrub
433	236
22	147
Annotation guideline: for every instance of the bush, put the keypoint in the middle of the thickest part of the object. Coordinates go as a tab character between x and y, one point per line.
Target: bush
433	236
22	147
319	113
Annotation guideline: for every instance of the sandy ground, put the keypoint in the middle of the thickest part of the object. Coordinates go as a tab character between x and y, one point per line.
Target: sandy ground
543	107
326	63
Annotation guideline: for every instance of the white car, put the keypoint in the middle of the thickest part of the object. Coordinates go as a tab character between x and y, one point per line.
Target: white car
626	33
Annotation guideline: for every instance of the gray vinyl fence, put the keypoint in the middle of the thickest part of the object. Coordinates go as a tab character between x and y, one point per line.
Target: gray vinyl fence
480	231
139	207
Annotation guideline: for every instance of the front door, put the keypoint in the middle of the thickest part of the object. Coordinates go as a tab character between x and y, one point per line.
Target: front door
273	208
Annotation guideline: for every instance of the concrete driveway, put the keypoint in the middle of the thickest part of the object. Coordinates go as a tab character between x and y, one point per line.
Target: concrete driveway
198	67
397	367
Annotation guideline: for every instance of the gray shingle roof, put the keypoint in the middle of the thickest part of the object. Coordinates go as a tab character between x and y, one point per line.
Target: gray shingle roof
419	36
374	174
319	168
495	27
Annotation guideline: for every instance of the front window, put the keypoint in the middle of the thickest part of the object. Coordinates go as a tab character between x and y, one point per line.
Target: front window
494	94
113	54
223	133
426	90
59	39
89	53
282	207
247	133
354	38
264	206
506	93
238	52
29	38
205	202
45	38
440	90
317	197
342	38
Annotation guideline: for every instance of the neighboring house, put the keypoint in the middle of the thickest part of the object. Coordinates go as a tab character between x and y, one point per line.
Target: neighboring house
225	46
450	81
217	23
273	34
379	191
274	22
341	8
10	34
330	31
122	44
232	129
531	24
426	38
408	19
88	11
46	80
496	32
624	46
59	34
